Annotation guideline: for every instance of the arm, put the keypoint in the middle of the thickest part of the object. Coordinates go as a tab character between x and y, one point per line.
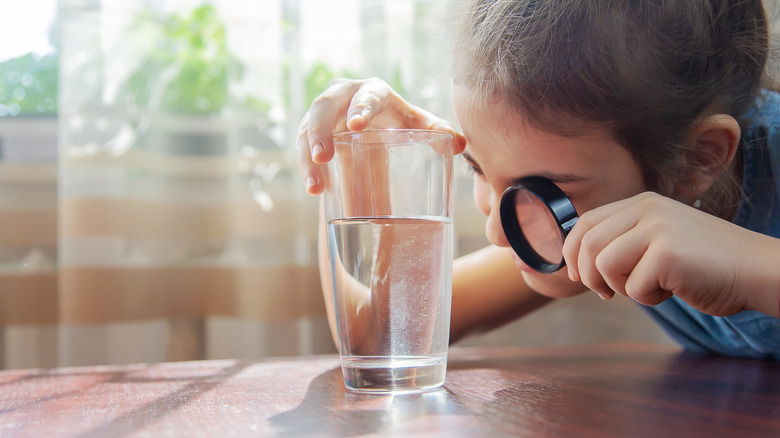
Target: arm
764	295
356	105
324	265
487	290
713	265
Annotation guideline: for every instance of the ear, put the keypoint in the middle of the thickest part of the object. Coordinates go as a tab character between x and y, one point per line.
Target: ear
714	141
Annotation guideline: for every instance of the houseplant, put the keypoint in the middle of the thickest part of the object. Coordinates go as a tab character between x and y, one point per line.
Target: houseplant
179	90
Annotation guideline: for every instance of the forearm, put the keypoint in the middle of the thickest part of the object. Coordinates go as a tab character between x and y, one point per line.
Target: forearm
488	291
763	281
363	193
324	266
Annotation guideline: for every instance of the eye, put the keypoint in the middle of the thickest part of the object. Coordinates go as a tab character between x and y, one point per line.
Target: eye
474	170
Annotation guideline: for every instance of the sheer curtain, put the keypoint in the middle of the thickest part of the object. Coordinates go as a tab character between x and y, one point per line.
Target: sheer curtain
153	211
172	224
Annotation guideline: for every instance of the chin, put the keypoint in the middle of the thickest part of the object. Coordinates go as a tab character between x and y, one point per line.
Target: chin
555	285
521	265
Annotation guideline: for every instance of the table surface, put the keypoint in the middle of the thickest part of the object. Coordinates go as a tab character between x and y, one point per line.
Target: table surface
618	390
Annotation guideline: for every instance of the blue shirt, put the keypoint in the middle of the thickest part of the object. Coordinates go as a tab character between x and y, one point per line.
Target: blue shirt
748	333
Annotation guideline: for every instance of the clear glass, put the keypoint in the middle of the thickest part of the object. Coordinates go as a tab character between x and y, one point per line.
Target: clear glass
390	237
539	226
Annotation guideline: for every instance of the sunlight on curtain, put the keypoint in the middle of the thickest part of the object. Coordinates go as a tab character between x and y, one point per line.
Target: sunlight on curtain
172	224
28	187
183	231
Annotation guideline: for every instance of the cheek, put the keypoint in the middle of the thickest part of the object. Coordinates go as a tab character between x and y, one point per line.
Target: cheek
483	195
611	190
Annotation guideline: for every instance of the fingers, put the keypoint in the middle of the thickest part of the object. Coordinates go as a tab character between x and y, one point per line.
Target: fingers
355	105
593	231
617	261
324	117
310	171
370	100
314	142
375	102
643	285
610	251
603	247
459	141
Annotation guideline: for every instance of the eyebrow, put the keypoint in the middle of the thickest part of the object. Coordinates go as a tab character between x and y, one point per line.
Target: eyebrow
472	162
557	178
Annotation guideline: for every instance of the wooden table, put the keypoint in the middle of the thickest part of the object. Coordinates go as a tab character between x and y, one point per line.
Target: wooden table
613	390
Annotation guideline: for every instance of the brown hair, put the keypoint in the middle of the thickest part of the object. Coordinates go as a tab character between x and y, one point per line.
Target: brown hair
645	69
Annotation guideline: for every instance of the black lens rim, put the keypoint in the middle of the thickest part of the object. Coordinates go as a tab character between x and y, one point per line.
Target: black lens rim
556	202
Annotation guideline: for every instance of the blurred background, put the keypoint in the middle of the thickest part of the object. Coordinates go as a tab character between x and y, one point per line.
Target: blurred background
150	204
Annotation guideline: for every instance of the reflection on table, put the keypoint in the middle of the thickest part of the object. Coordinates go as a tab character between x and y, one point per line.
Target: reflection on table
598	390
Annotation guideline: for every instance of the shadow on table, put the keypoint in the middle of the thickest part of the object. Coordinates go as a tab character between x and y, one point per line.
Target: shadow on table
330	409
152	411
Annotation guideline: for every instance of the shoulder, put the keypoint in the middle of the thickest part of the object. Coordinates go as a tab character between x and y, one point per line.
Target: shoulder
760	207
762	122
745	334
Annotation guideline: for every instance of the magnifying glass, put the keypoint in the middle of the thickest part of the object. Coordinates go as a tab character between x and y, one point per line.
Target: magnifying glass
537	216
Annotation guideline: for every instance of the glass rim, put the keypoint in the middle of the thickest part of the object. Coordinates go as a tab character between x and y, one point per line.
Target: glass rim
343	137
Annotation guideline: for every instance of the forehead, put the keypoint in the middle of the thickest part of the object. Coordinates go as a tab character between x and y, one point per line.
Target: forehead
503	143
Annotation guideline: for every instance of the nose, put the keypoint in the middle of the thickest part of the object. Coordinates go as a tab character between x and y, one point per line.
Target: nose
493	229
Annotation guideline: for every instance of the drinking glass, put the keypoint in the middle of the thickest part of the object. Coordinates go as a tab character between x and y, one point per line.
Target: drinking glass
388	207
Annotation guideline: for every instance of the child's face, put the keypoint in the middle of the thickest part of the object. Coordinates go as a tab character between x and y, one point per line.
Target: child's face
592	169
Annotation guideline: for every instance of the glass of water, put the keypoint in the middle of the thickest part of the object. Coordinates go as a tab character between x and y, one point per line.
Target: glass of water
388	207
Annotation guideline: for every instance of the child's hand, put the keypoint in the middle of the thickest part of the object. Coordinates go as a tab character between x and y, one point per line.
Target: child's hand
354	105
650	247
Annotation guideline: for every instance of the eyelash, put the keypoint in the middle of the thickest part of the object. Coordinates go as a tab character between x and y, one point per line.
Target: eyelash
478	172
473	170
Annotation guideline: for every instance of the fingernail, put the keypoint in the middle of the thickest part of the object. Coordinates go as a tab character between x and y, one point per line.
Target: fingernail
357	116
604	296
317	150
310	182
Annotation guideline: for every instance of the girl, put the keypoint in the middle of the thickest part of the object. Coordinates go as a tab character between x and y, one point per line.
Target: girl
650	117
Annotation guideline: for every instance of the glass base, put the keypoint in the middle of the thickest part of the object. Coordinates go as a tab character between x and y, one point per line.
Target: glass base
385	375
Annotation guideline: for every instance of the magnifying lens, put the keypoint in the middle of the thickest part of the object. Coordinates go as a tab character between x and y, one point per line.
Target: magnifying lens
537	216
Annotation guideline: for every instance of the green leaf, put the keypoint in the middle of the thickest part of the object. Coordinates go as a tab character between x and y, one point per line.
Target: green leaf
29	86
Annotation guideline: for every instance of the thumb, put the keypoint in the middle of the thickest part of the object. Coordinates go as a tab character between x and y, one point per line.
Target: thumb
459	143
